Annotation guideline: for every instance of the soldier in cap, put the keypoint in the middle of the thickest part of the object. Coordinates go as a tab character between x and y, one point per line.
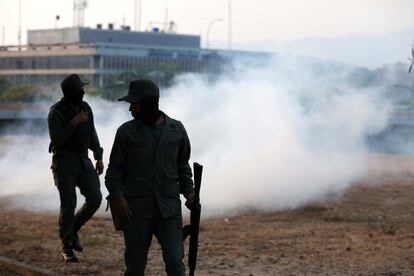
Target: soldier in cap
72	133
147	172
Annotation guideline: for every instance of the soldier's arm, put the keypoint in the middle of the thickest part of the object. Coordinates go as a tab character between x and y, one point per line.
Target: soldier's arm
94	145
60	131
115	174
184	169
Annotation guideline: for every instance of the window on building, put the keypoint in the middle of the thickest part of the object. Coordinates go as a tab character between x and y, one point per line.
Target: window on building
19	64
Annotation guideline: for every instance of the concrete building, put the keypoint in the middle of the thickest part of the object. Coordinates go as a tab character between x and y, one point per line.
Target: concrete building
100	54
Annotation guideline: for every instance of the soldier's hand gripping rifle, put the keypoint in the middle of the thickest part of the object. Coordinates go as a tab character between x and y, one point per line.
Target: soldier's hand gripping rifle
192	229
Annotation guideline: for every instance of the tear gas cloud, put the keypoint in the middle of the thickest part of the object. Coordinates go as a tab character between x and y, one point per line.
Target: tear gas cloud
271	136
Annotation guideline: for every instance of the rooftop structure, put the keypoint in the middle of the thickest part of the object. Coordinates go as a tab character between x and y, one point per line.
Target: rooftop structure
80	35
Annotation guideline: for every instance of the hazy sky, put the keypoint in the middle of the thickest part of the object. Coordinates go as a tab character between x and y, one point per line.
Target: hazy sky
256	20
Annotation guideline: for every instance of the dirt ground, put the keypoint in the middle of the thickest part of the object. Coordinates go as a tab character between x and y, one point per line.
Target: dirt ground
368	231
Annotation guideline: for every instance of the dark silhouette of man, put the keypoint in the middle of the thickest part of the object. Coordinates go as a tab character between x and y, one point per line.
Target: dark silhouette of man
72	133
147	172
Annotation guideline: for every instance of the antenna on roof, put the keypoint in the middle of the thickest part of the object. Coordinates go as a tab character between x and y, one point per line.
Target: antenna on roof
57	18
79	7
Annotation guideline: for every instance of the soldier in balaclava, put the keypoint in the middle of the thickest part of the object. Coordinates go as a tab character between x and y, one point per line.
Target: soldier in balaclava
72	134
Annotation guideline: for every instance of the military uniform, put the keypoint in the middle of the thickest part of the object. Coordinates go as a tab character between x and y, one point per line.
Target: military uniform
71	166
149	167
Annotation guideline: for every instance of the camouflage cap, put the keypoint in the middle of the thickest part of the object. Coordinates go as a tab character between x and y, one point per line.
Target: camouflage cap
139	89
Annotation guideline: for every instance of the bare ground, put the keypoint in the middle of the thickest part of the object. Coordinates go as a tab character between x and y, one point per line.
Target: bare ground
368	231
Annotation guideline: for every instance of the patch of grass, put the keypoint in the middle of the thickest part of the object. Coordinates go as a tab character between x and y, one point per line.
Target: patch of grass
95	240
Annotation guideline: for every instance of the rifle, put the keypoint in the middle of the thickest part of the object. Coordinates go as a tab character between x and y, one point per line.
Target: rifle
193	228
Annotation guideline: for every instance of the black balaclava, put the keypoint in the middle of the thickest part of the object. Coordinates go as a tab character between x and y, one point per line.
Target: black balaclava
73	95
149	111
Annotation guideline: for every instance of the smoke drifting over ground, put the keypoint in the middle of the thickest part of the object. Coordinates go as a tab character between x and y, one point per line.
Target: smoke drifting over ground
273	136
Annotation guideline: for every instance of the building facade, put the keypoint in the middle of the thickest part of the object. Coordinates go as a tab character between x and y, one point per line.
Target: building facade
100	55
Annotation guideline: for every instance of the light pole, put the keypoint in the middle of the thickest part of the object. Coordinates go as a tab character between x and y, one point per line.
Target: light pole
208	30
19	34
137	15
229	34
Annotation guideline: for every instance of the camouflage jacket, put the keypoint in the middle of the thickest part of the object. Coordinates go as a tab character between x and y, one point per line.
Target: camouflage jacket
139	167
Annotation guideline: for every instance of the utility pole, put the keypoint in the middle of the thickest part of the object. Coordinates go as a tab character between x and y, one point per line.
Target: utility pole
19	34
4	35
229	33
166	20
137	15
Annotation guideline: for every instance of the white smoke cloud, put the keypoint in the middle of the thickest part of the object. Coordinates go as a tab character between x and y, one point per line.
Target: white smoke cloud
273	136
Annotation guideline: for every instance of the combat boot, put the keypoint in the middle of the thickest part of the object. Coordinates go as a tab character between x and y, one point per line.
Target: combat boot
76	244
68	254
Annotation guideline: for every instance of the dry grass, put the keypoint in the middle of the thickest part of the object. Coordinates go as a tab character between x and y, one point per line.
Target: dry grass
369	231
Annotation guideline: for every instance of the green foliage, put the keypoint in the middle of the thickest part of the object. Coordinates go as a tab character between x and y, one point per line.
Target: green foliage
22	93
92	91
163	75
4	84
169	70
